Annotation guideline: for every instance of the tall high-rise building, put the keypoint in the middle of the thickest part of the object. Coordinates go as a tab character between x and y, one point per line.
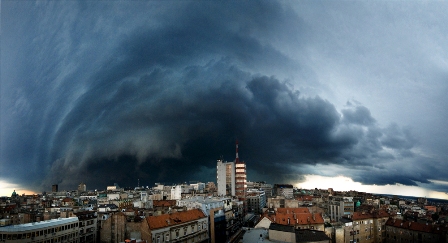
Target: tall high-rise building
240	177
225	178
231	177
54	188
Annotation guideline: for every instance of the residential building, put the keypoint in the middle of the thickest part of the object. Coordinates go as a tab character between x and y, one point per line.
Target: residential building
87	226
340	207
186	226
300	218
225	178
176	192
55	230
286	233
256	201
364	227
285	190
406	231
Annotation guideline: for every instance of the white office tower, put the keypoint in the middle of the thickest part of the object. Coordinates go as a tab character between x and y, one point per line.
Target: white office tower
225	178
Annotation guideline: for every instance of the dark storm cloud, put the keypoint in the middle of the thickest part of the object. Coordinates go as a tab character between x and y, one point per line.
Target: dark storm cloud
160	95
359	115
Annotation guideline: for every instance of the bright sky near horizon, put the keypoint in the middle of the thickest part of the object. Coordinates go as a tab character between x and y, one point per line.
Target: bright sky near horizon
346	93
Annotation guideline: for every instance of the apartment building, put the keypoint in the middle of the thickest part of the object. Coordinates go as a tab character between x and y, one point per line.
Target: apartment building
87	226
340	207
55	230
285	190
406	231
225	177
256	201
186	226
300	218
364	227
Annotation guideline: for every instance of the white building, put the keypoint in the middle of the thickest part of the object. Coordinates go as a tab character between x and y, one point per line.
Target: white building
206	204
176	192
199	187
225	177
55	230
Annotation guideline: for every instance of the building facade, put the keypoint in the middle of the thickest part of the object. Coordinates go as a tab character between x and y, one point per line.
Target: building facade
186	226
256	201
87	226
225	177
340	207
406	231
285	190
55	230
240	177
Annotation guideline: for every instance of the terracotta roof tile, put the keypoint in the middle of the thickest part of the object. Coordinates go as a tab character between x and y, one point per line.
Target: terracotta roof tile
415	226
166	220
293	210
164	203
297	219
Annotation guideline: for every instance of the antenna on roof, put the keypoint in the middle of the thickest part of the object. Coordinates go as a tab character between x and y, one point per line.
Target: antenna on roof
237	160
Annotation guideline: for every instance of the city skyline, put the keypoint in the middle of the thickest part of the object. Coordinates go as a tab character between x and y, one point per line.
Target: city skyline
317	93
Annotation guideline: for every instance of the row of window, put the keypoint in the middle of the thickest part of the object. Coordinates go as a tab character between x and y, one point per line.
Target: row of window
40	232
167	239
62	238
177	234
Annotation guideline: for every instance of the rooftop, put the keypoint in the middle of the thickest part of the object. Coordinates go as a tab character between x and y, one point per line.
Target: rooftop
38	225
166	220
306	235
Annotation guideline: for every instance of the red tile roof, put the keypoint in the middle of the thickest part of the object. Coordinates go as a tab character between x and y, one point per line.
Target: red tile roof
164	203
305	198
293	210
166	220
370	215
297	219
415	226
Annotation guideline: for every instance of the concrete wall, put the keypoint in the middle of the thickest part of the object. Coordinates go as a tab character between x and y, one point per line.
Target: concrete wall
282	236
113	229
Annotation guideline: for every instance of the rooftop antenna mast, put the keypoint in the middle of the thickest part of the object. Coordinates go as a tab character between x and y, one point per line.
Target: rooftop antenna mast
237	160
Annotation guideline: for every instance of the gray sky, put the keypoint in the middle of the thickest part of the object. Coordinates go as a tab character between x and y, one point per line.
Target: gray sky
104	92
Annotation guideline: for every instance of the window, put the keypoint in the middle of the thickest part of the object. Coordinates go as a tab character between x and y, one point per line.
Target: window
158	239
167	237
